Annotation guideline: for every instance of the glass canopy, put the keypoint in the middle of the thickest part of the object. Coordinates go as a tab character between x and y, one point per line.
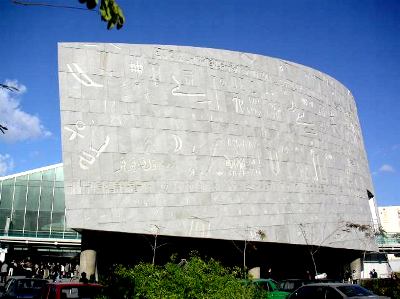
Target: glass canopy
32	204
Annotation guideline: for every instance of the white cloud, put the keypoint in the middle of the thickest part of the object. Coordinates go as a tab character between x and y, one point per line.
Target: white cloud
6	164
21	125
387	168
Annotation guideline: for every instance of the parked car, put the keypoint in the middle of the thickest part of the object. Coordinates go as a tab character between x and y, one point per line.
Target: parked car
292	284
333	291
270	286
76	290
26	288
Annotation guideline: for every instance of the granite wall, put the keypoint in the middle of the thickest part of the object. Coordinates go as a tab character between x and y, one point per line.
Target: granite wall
210	143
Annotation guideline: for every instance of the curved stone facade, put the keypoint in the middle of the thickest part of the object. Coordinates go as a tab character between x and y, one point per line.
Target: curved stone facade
209	143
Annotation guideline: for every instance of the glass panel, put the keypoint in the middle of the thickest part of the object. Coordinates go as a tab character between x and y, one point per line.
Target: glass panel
36	176
6	202
60	174
32	207
48	175
46	200
21	179
58	210
19	204
59	203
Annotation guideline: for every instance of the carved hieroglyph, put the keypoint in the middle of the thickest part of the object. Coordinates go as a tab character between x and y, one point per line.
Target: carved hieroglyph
209	143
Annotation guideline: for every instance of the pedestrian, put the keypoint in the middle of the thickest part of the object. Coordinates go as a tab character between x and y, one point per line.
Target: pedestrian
354	277
4	272
83	278
269	273
66	269
307	275
11	268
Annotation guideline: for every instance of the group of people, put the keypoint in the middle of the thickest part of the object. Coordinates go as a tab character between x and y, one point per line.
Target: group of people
373	274
49	270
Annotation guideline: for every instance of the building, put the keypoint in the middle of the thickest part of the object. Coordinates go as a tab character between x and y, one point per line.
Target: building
32	216
390	219
390	244
253	160
207	149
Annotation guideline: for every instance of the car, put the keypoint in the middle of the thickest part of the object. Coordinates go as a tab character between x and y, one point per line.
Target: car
333	291
292	284
270	286
66	290
26	288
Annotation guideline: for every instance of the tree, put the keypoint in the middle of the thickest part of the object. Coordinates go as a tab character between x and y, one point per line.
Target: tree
367	233
314	246
109	10
9	88
154	246
260	234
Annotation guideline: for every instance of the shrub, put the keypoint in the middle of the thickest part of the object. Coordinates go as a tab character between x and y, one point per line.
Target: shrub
383	286
196	278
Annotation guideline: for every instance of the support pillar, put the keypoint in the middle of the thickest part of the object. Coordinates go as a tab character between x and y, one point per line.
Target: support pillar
88	263
356	268
255	272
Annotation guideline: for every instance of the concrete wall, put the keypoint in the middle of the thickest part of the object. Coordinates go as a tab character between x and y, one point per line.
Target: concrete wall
211	144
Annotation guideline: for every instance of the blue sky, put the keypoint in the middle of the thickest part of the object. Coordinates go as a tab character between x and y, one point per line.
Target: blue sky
356	42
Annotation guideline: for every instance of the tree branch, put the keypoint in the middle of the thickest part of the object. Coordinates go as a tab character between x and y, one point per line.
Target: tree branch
27	3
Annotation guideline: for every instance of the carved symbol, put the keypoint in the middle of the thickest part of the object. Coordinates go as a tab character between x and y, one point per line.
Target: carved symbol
136	68
275	168
215	90
88	158
156	74
87	81
178	143
248	57
115	46
315	164
89	45
175	91
238	105
292	107
80	125
204	102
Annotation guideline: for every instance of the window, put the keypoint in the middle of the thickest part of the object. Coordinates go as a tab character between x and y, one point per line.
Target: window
81	292
332	294
354	290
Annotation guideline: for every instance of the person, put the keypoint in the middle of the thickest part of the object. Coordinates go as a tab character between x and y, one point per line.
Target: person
347	276
308	275
92	278
373	274
83	278
4	272
11	268
354	277
269	273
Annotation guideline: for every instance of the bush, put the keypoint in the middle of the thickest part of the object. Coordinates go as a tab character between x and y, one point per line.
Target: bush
383	286
194	279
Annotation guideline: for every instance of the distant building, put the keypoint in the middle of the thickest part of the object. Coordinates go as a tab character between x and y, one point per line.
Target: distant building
390	221
390	218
